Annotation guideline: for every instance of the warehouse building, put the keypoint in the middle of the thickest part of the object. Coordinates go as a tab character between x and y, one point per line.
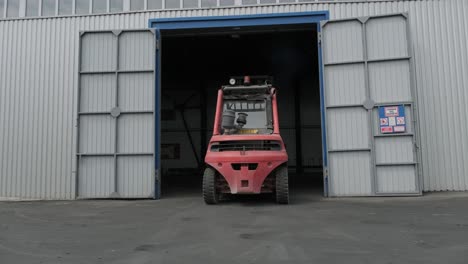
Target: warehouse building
115	98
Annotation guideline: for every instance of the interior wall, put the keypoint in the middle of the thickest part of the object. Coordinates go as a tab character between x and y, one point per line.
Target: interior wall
197	66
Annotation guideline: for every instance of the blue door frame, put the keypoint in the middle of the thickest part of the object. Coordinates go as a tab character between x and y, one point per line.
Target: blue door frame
159	24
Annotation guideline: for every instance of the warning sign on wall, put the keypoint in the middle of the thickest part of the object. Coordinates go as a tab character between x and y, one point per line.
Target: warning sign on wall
392	119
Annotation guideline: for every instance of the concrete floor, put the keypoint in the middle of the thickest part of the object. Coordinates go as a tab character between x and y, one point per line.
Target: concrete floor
182	229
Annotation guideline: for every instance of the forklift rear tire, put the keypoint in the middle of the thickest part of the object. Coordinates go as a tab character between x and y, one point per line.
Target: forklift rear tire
209	186
282	185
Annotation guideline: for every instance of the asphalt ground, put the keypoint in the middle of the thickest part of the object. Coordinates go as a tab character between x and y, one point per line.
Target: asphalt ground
180	228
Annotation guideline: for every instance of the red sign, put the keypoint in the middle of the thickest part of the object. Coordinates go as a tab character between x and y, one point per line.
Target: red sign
386	129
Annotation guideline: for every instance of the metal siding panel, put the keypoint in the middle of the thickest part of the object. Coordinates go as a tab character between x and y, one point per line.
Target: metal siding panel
96	177
439	34
336	35
345	84
39	58
394	149
388	38
348	128
97	93
442	81
97	134
390	81
134	175
393	179
35	131
378	87
136	50
131	133
99	52
136	91
351	174
135	133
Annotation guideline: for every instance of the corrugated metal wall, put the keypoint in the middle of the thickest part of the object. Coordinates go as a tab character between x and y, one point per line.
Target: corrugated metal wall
374	55
116	115
38	89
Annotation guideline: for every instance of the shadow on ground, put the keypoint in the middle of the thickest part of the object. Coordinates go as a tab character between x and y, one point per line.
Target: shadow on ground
303	188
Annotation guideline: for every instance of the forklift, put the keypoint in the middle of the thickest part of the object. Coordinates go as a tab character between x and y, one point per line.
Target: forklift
246	154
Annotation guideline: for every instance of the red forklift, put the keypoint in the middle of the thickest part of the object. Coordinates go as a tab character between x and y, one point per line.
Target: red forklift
246	154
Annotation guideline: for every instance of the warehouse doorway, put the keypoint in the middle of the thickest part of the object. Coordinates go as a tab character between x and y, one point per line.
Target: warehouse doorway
369	131
195	63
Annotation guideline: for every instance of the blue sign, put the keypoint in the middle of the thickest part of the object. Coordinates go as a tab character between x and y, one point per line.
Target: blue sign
392	119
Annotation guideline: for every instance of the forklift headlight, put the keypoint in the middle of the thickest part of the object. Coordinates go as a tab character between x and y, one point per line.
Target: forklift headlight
232	81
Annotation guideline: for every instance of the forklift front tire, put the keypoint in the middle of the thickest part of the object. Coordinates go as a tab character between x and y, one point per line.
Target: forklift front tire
209	186
282	185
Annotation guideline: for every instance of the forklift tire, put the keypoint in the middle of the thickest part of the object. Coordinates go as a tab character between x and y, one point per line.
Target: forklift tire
282	185
209	186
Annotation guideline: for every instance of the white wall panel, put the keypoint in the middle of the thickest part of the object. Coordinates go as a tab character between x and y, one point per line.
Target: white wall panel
127	137
100	52
439	36
351	34
96	177
391	179
394	149
136	91
351	174
388	39
97	93
135	133
97	134
132	176
345	84
348	128
390	81
136	51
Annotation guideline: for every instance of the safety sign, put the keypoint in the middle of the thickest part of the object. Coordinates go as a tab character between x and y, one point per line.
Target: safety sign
392	119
